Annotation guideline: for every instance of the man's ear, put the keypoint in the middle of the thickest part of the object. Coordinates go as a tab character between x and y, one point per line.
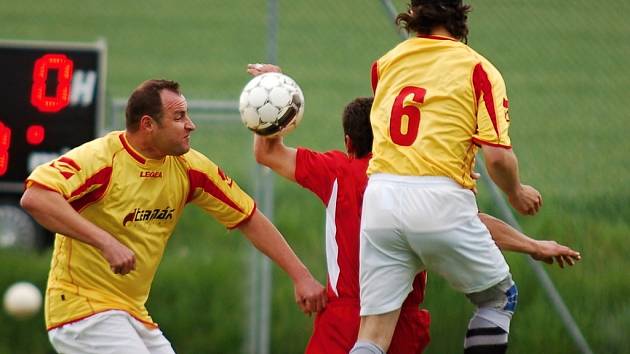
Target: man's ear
146	123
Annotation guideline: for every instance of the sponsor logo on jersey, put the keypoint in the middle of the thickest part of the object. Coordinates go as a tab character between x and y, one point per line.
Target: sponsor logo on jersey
151	174
143	215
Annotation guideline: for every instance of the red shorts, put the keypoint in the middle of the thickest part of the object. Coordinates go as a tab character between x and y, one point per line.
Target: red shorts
337	326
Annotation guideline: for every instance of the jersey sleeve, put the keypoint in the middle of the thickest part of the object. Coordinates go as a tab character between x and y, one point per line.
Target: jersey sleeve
216	193
492	107
316	171
80	175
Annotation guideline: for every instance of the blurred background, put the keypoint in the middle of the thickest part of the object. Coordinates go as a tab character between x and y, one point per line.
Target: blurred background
565	66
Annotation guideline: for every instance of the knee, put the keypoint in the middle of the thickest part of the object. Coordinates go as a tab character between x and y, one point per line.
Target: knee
501	297
511	298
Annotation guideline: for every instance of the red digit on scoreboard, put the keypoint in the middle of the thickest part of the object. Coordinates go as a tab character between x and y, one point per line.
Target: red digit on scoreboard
43	65
5	142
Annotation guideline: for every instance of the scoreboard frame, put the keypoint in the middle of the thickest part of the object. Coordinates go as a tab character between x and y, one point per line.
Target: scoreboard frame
43	111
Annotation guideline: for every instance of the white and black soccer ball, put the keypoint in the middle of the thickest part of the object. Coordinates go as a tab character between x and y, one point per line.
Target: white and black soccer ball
271	104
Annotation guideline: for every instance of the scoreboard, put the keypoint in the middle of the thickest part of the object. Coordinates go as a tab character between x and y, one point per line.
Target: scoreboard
51	100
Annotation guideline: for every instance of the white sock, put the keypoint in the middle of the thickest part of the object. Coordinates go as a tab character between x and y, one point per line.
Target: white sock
366	347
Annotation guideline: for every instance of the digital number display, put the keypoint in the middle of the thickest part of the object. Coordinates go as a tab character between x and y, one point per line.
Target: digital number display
51	100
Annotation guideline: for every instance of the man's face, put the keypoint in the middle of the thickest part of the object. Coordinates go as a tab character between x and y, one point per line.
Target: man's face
172	134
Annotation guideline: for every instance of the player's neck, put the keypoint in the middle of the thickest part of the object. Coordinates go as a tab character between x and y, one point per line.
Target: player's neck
441	31
140	145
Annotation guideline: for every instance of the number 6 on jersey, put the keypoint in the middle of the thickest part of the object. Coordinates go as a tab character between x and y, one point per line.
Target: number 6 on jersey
411	111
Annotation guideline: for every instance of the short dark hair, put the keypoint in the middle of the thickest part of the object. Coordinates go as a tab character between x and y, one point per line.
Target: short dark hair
356	125
424	15
145	100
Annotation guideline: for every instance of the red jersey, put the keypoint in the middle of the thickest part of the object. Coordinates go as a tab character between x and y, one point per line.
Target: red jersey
339	182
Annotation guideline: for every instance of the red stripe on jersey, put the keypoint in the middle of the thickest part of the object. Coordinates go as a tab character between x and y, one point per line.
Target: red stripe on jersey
130	150
66	161
482	142
482	85
374	75
66	175
441	38
199	179
70	162
102	179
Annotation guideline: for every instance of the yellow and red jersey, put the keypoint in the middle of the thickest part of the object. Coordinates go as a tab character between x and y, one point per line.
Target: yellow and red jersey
435	101
138	201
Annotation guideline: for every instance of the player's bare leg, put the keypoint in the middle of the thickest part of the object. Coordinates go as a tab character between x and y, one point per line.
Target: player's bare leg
375	333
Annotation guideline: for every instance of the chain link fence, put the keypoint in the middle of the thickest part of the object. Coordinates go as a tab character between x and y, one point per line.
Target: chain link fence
565	66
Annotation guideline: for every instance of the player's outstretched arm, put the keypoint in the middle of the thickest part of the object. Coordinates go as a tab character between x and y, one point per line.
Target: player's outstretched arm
54	213
272	152
510	239
310	295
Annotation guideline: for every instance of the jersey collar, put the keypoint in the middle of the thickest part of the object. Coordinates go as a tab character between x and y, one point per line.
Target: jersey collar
441	38
136	155
146	162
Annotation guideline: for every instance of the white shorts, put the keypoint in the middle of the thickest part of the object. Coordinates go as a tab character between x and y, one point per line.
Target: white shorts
412	223
109	332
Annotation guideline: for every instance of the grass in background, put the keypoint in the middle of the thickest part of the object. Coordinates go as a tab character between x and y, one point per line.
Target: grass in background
567	77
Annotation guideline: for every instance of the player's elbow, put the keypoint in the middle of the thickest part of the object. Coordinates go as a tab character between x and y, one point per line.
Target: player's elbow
497	163
28	202
497	157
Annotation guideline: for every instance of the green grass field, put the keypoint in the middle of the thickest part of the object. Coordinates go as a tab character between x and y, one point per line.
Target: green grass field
565	65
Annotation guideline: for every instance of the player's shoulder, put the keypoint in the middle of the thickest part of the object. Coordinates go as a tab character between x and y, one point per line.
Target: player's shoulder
316	162
336	154
478	58
396	50
99	150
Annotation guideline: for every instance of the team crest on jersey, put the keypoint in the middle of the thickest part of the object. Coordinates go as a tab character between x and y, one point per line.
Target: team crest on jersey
144	215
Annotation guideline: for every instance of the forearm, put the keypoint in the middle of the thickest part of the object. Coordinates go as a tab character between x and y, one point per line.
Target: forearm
508	238
54	213
272	152
267	239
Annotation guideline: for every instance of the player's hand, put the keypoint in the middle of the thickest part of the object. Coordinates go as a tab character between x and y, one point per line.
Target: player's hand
121	259
257	69
526	200
475	176
547	251
310	295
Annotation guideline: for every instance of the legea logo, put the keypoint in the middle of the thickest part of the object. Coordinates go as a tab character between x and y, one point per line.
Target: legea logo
139	215
151	174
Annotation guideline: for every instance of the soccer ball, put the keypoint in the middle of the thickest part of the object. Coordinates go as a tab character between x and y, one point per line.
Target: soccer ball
271	104
22	300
